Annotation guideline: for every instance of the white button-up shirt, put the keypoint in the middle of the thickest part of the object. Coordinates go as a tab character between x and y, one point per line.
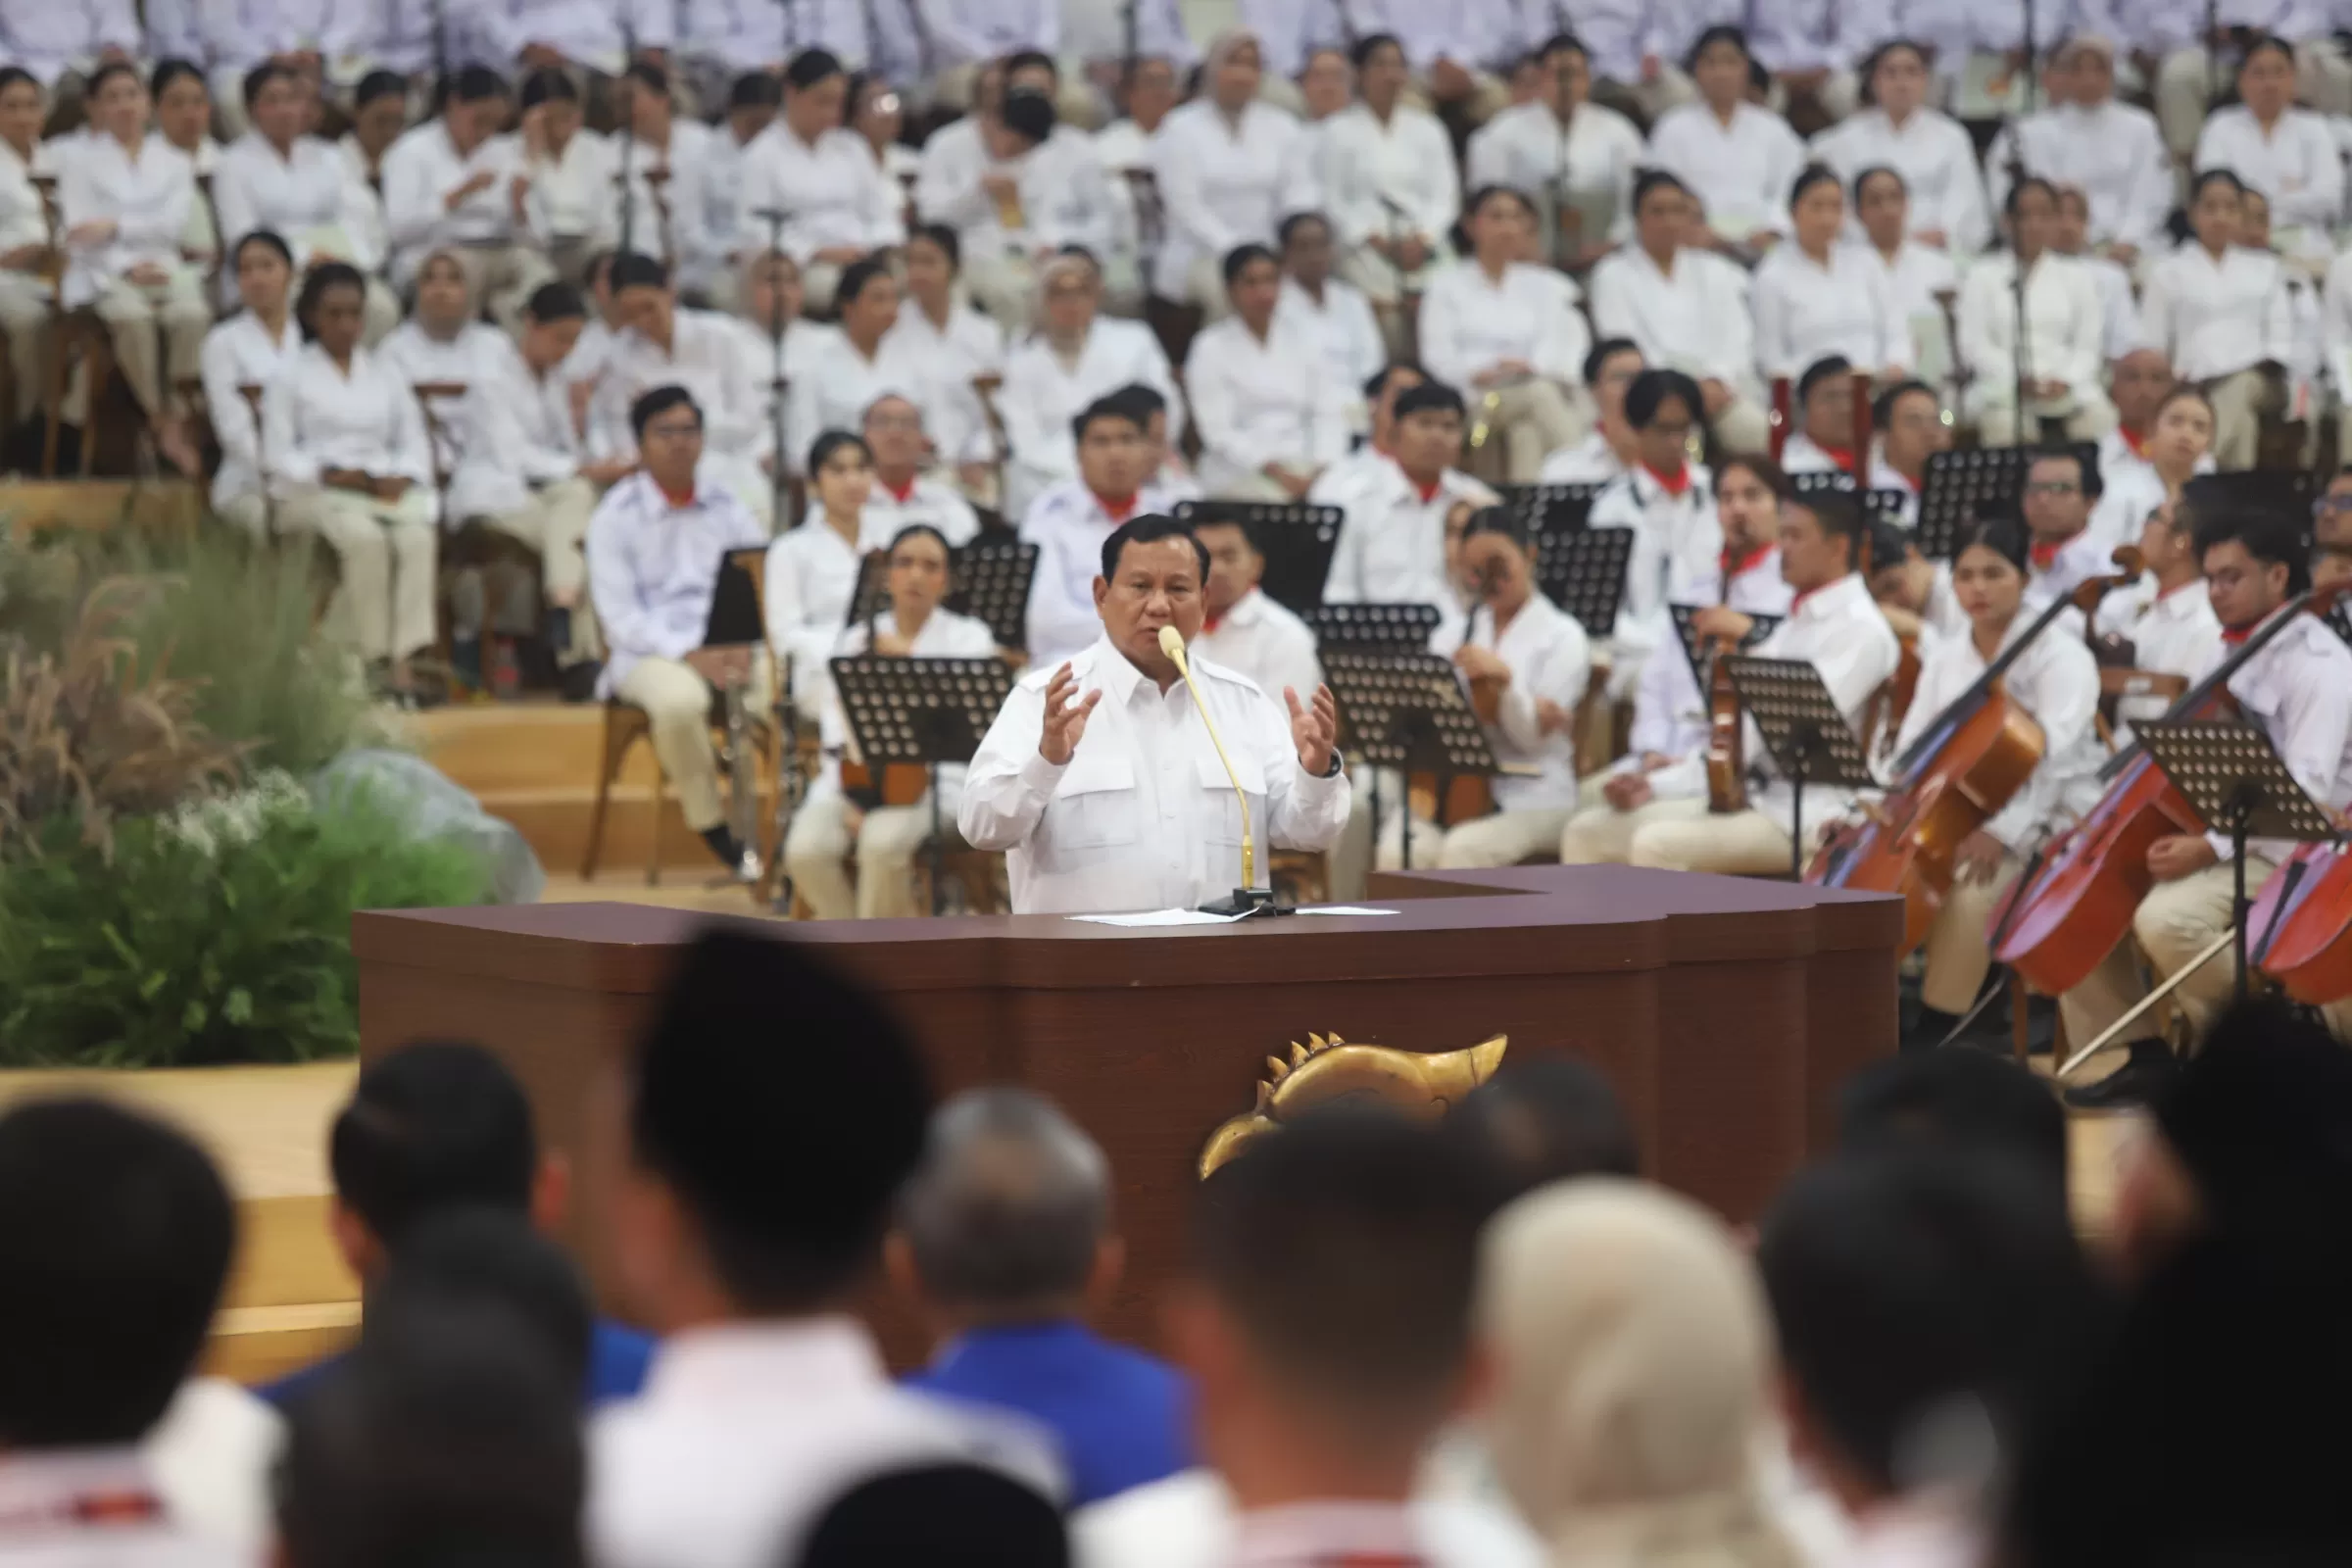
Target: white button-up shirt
1806	311
1143	817
960	30
23	221
238	353
2298	692
421	170
1676	538
746	1432
1471	324
573	197
1817	34
2113	153
833	384
1741	173
812	575
1288	32
1259	637
588	33
45	1494
2066	325
2083	557
677	210
1261	401
235	38
1591	461
1065	196
49	40
1344	331
468	359
1695	319
1670	713
1398	177
925	501
653	568
1068	524
1221	187
1392	548
1096	31
946	359
1477	33
1938	160
830	193
753	34
712	359
1040	395
520	434
1551	659
308	197
1189	1521
2056	681
2170	634
1597	159
1619	33
315	417
149	196
2215	317
2296	163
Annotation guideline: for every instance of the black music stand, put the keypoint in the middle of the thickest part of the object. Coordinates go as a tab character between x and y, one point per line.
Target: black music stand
871	596
1365	628
2239	785
1297	541
1407	711
921	712
737	618
1964	486
1880	506
991	579
1551	508
1803	730
1583	570
1695	649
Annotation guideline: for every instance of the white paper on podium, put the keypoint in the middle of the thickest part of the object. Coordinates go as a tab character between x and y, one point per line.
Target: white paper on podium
1160	917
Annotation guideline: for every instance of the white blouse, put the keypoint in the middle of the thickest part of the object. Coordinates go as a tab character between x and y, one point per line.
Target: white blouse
315	417
308	197
1040	396
2056	681
2064	325
830	193
2214	318
1742	172
422	170
1394	178
574	197
467	360
946	359
148	196
2296	163
1470	323
1806	311
1597	159
2112	152
1223	185
239	352
1345	334
1260	402
1695	318
1938	160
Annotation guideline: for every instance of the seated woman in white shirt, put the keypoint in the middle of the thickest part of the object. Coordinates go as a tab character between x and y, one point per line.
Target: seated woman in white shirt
2061	351
1930	149
26	292
1737	158
1508	334
812	567
2179	441
831	824
565	200
183	123
1075	356
2220	312
1817	296
1390	185
277	178
125	205
837	210
878	115
250	349
1575	158
1271	421
345	453
1230	169
1331	310
445	345
2288	153
1921	283
954	346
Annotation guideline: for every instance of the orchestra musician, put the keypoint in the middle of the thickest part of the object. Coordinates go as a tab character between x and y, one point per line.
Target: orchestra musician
1914	593
2165	618
2331	530
1670	711
1242	627
2298	691
2062	486
2055	681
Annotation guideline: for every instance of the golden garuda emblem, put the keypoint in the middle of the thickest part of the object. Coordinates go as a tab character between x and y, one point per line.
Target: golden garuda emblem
1330	1071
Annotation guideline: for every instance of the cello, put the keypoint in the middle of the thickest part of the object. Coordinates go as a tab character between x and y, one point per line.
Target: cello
2301	924
2055	931
1951	781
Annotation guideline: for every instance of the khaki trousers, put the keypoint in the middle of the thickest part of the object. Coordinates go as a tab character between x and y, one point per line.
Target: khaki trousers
503	277
1684	836
819	282
1503	839
1204	287
1352	859
136	314
2088	418
553	524
1525	425
678	703
2239	401
1958	950
25	319
389	552
1600	834
2174	922
818	845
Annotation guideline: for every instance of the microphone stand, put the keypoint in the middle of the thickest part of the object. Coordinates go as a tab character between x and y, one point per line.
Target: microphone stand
775	382
1560	210
1131	26
628	141
2019	357
1248	899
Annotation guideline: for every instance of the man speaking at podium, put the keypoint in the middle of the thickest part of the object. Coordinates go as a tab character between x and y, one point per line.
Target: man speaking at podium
1103	785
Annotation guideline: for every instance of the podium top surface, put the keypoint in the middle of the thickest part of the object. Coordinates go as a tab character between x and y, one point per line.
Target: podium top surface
1516	920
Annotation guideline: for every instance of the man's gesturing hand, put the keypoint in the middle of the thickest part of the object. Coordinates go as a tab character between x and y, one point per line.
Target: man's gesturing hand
1313	729
1065	721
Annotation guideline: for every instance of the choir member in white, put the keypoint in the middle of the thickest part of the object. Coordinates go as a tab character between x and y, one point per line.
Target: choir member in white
2217	310
2166	617
1576	159
664	345
1270	419
249	350
1614	447
2307	354
1930	149
846	367
379	116
1068	523
564	189
1509	333
2112	151
953	349
812	569
1737	158
2288	153
1685	308
708	266
1668	499
1816	296
26	292
1920	283
1390	186
1332	311
1245	628
1075	356
449	185
831	826
184	125
1229	168
904	494
663	155
821	178
1909	419
443	346
2061	351
344	453
2177	447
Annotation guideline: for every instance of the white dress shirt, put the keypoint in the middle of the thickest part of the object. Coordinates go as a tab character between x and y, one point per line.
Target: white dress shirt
1188	1521
812	578
1914	279
1068	523
468	359
830	193
2066	325
1260	638
1471	324
1802	454
712	359
239	352
1041	395
149	196
1817	34
598	33
924	501
2170	634
57	1498
1741	173
1398	177
1618	34
1065	197
315	417
1392	548
520	434
1095	31
1344	331
230	39
2296	163
1806	311
944	361
1480	33
747	35
1676	538
573	197
49	40
421	171
961	30
1224	186
674	206
1551	659
1591	461
2112	152
836	383
2083	557
1670	712
1695	319
653	568
1523	147
746	1432
1938	160
1288	32
1260	401
1142	815
2298	692
308	197
2216	318
2056	681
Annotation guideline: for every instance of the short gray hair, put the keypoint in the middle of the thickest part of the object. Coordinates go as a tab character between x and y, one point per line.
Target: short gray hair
1011	1202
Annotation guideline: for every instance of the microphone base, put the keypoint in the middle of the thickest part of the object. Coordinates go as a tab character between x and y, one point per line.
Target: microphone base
1248	902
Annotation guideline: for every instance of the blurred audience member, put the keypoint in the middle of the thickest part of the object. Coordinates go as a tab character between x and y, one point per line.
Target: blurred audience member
939	1516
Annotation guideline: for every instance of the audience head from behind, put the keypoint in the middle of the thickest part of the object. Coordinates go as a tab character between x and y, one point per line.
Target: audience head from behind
114	1241
552	318
1821	539
1663	407
1306	250
1909	418
493	1256
1114	456
1428	439
1628	1357
1153	573
1825	403
1543	1122
668	427
771	292
816	92
868	300
643	297
2254	560
332	308
1963	1102
760	1162
1236	563
1325	1318
938	1516
264	267
379	112
751	104
1750	491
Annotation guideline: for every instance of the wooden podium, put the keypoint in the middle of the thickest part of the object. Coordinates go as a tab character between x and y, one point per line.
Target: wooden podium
1726	1010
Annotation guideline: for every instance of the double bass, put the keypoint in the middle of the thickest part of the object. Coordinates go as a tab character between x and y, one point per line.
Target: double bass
1951	781
2055	929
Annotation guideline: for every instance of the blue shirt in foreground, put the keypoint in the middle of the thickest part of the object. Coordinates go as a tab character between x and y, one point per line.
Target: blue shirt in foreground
1120	1415
617	1360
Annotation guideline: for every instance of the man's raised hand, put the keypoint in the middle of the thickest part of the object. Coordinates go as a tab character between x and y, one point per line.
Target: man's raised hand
1065	719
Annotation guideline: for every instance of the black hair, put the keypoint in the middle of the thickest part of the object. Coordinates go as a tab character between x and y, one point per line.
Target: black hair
1827	368
1021	60
106	74
1376	385
1081	253
1543	1122
1343	1248
1237	260
2029	182
1211	515
548	85
555	302
471	85
1811	176
18	76
168	72
2006	538
1768	473
2085	459
822	450
267	238
1918	1288
922	530
856	278
1486	193
1432	396
1028	114
1969	1101
1365	46
1882	408
1878	57
1288	229
756	90
1720	32
943	1517
659	400
948	242
809	68
1840	516
1147	529
315	285
1650	182
1874	171
2215	177
636	269
497	1257
1141	401
431	1127
259	78
1105	408
1562	43
380	84
1503	524
1650	390
2271	537
786	1148
649	76
2270	41
115	1239
1608	349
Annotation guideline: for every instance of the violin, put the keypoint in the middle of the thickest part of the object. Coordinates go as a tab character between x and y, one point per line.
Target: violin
2056	928
1951	781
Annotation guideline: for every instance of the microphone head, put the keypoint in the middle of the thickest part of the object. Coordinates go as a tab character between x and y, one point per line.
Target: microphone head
1171	643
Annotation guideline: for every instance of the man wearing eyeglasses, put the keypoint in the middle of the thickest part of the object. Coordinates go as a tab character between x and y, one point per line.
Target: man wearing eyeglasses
2332	532
2061	488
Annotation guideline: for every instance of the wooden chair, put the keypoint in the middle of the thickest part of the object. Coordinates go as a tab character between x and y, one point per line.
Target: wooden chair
76	335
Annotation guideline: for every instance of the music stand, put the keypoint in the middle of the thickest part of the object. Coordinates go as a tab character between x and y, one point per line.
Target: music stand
1394	628
1880	506
991	584
736	617
1550	508
871	596
1583	570
1802	729
1407	711
921	712
1963	486
1297	541
2239	785
1686	627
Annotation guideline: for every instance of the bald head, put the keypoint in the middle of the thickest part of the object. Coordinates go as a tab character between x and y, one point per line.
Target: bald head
1007	1218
